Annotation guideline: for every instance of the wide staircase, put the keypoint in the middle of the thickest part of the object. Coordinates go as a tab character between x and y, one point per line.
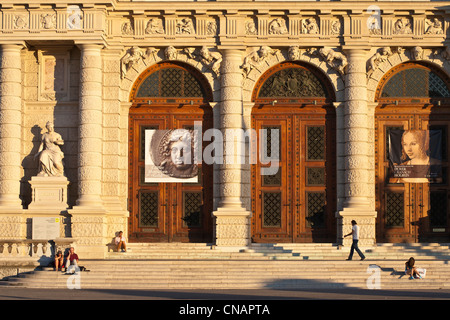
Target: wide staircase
261	266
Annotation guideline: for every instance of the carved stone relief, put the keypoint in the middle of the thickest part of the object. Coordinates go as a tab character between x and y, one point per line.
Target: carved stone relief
256	58
185	26
433	26
48	21
278	26
402	26
379	57
294	53
20	21
335	59
310	26
250	28
374	25
211	28
211	59
154	26
127	28
133	56
171	53
335	27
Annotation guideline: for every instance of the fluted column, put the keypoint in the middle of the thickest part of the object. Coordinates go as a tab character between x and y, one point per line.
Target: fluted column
232	219
356	152
10	125
90	127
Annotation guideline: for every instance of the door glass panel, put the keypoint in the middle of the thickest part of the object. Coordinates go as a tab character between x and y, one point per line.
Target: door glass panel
272	180
315	215
148	209
315	176
192	208
438	209
271	209
395	209
315	142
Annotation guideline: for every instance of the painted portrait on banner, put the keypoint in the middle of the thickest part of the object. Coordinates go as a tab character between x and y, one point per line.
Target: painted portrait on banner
170	156
415	156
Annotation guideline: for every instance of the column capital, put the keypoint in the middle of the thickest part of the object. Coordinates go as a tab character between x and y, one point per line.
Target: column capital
19	45
90	45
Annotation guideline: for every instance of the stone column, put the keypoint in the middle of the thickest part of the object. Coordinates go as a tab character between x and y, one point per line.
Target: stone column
12	222
90	127
10	125
357	164
88	216
232	219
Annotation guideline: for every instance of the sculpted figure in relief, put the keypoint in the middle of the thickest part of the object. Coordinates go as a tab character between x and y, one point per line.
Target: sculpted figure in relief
127	28
250	28
417	53
337	60
294	53
49	154
309	26
154	26
433	27
213	59
185	26
255	58
380	56
277	26
48	20
402	26
132	57
171	53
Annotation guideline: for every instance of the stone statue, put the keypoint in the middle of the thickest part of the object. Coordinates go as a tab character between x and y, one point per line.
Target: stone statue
49	153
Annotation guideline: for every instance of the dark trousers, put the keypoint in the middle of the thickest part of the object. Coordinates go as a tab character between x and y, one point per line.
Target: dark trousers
353	248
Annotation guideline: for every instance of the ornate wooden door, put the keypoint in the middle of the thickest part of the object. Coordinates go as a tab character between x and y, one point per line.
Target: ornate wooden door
411	211
297	203
168	96
167	211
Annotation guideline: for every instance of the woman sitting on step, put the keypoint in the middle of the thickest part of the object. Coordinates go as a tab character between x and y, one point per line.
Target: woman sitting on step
411	269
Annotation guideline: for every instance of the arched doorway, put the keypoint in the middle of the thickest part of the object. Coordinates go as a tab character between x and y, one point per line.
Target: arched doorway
413	98
165	97
298	202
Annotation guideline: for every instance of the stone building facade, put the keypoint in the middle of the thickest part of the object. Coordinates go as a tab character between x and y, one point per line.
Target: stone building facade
83	66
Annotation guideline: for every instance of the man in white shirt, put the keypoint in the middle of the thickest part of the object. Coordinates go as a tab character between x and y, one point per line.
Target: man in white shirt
355	233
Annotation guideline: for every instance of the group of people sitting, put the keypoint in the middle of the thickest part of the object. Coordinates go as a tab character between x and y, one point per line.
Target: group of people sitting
71	259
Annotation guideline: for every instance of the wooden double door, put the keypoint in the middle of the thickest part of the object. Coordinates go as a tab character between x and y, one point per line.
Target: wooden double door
407	211
297	202
167	211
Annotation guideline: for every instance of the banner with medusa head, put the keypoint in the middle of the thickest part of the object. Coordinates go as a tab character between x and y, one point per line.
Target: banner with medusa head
170	156
415	156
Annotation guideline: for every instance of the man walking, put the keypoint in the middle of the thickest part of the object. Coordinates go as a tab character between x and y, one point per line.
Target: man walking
355	233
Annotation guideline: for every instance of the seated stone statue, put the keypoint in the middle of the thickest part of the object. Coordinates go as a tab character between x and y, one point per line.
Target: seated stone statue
50	154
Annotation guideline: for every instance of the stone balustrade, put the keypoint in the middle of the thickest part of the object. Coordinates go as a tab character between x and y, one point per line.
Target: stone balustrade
41	250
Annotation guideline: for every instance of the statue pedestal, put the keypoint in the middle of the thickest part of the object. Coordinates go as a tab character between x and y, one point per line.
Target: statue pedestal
49	194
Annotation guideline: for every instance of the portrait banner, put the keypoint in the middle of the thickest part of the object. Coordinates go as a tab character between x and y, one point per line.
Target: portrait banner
415	156
170	156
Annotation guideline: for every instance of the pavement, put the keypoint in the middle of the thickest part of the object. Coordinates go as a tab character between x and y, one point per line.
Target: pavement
13	293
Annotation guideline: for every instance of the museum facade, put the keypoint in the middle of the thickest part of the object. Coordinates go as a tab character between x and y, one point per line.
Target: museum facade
332	88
